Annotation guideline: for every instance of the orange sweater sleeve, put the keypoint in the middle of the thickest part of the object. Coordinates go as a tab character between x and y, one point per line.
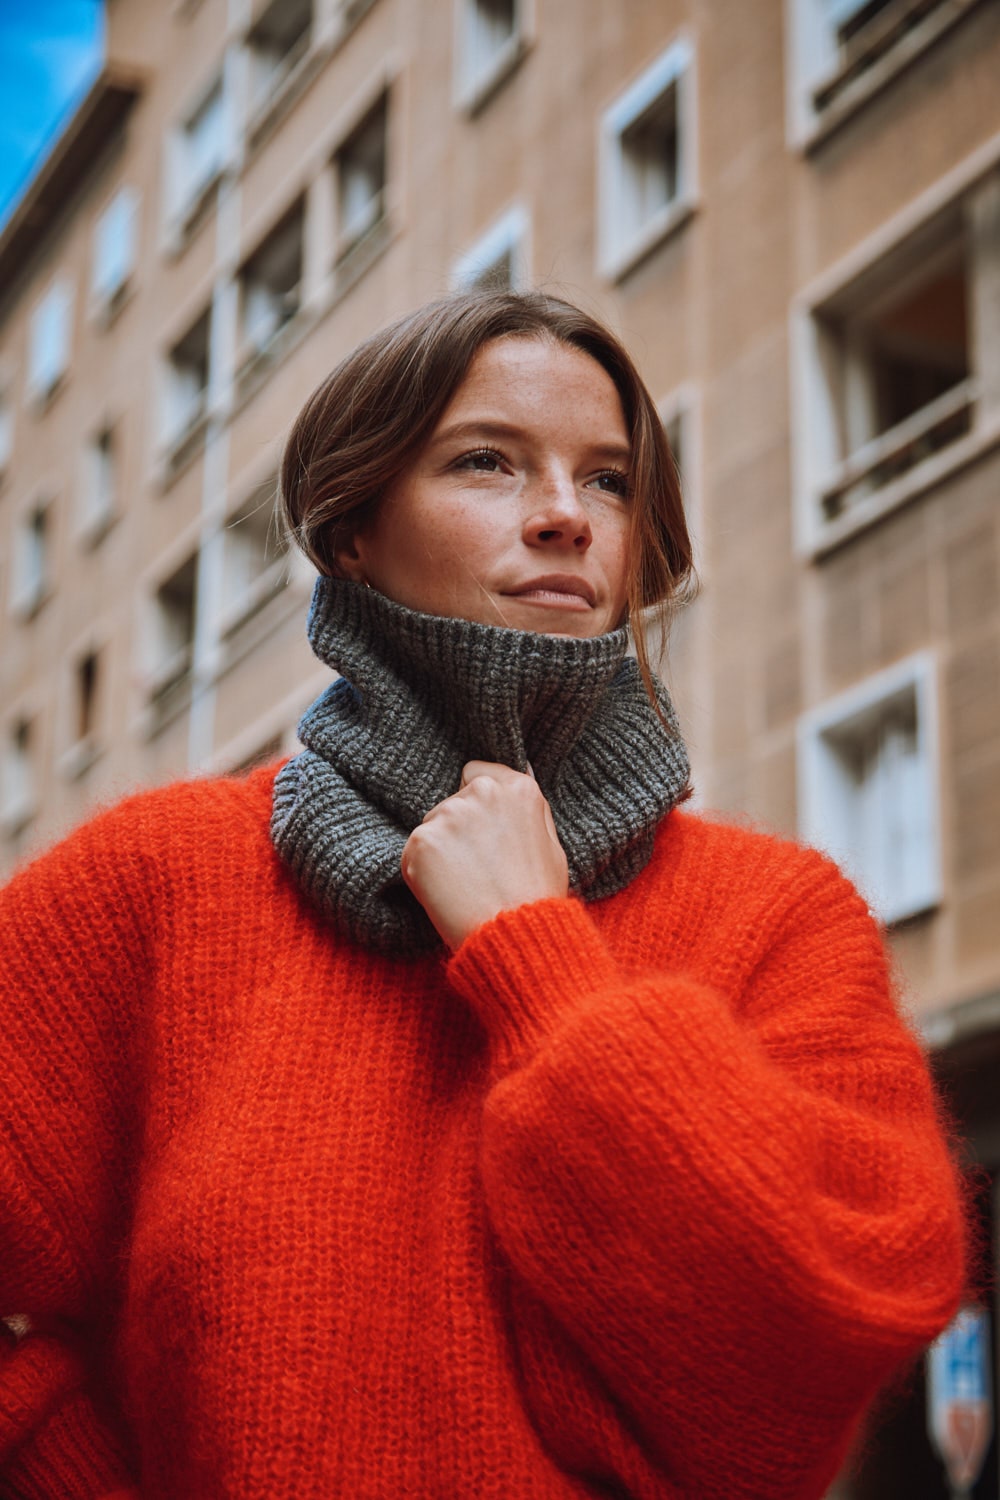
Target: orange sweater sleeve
724	1194
71	971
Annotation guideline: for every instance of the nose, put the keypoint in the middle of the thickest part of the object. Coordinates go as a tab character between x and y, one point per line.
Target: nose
557	516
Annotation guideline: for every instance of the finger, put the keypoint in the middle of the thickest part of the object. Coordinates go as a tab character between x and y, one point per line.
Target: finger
491	768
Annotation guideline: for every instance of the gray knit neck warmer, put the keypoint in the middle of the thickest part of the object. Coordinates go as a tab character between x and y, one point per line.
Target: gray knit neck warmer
418	696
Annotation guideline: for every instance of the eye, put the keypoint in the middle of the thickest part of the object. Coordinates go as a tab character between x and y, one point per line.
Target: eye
613	482
481	460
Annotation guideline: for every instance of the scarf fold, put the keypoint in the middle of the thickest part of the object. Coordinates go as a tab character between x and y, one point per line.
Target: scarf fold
418	696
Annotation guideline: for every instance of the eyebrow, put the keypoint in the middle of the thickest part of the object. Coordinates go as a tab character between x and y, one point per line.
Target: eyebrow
486	428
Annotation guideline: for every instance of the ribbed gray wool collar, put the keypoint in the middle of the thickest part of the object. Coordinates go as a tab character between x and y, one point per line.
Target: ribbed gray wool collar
418	696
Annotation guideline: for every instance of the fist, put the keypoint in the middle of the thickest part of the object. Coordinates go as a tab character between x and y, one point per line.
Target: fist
489	848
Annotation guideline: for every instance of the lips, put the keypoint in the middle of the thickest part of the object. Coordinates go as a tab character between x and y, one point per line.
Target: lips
574	589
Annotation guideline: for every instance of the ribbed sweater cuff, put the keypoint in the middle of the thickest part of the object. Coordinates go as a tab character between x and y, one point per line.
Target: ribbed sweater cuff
527	969
72	1455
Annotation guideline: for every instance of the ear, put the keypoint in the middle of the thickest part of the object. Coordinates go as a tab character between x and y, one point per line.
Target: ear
348	561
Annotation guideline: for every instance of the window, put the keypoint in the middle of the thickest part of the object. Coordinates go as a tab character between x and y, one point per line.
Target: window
680	413
499	260
255	566
114	252
98	499
896	376
18	795
842	51
86	695
277	42
198	151
49	341
490	43
868	787
6	430
271	285
361	178
647	161
31	560
187	383
172	634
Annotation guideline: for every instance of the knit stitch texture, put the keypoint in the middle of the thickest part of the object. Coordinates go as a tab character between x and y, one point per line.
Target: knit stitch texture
419	696
646	1197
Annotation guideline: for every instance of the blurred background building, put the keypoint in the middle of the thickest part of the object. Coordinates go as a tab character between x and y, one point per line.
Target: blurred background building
791	212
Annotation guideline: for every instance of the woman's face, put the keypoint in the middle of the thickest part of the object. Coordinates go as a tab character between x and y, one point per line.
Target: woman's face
515	512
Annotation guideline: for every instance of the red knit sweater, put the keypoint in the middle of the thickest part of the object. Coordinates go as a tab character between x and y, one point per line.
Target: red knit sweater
645	1198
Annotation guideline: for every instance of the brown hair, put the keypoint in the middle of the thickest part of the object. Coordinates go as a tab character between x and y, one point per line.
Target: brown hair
367	421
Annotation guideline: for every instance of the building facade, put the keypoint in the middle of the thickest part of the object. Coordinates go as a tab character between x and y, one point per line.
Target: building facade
790	211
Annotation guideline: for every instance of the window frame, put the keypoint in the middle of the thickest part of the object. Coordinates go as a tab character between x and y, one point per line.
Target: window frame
42	384
811	45
822	822
618	249
107	294
475	86
30	586
814	441
509	234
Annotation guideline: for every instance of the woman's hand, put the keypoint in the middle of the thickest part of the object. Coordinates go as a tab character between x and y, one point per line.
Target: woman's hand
490	847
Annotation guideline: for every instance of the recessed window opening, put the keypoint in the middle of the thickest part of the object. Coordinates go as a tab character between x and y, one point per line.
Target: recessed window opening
87	681
114	248
271	282
857	34
100	483
255	557
490	28
174	627
6	430
203	143
361	173
868	788
277	42
187	390
898	370
18	791
649	148
49	340
31	560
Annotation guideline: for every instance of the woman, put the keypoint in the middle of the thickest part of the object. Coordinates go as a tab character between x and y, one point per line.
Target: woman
447	1114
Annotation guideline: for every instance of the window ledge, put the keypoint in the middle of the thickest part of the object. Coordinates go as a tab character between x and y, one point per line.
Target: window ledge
40	398
268	586
92	530
24	607
179	453
259	363
669	221
476	94
75	762
287	90
905	51
106	308
924	476
185	223
355	258
15	818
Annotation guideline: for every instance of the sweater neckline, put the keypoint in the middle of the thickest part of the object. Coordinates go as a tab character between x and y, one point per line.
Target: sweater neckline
421	694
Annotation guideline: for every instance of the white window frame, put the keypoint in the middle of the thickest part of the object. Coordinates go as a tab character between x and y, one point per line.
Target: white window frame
114	252
349	236
239	604
50	336
183	415
19	791
253	345
478	76
97	504
267	89
6	427
812	54
167	667
620	247
824	795
188	187
816	459
683	404
31	561
510	234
